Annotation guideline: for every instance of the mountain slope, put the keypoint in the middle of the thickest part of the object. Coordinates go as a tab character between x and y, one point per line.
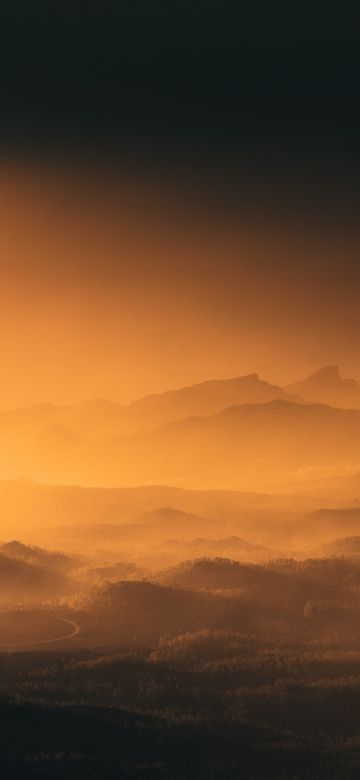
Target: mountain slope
243	446
204	399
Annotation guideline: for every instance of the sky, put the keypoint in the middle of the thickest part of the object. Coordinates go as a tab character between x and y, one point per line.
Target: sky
179	191
120	285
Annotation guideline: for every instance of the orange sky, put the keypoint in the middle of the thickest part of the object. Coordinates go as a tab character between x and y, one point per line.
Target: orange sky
115	290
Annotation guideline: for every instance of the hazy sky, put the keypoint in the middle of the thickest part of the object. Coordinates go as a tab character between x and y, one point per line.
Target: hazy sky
109	286
116	290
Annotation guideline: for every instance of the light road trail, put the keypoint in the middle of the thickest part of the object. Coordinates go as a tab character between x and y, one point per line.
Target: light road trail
35	643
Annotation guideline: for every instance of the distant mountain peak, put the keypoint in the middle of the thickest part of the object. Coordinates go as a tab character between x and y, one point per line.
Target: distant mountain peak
326	386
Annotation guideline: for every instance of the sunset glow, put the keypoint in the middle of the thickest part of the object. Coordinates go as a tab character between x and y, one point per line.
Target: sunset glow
180	392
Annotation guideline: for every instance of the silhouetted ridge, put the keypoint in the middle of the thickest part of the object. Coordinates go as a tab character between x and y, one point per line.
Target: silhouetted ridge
97	417
327	386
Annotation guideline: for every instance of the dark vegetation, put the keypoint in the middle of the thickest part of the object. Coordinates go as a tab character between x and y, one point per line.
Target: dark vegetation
205	704
214	668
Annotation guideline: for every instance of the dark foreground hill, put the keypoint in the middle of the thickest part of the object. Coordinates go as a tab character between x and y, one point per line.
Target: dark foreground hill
140	611
208	704
111	743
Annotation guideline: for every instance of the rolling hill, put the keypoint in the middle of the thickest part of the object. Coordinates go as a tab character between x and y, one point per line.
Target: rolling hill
347	547
26	583
151	528
56	561
220	573
140	611
33	510
228	547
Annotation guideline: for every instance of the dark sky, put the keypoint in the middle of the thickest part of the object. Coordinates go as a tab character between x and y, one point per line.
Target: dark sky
207	79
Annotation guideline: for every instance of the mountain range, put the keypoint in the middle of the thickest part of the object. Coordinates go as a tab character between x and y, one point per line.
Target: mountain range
233	434
97	417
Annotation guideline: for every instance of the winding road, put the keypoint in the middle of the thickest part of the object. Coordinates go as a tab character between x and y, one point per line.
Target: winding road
35	643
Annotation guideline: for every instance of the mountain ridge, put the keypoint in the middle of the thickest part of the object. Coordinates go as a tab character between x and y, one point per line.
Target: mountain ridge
98	417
